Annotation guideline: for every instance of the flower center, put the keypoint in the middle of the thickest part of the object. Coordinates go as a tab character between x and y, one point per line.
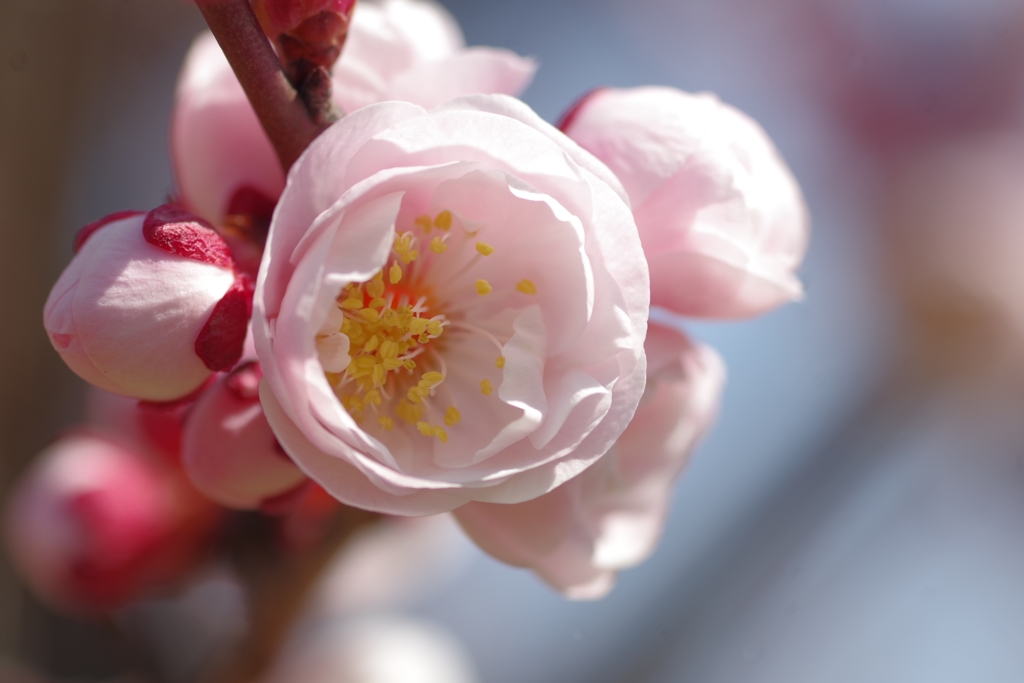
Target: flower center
395	326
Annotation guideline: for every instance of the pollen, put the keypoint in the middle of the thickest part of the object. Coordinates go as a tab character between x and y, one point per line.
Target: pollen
452	416
486	388
395	274
426	429
443	220
441	434
386	422
526	287
483	287
438	246
500	362
424	223
484	248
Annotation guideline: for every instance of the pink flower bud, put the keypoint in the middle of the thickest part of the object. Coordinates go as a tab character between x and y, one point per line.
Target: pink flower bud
721	218
150	306
93	525
228	449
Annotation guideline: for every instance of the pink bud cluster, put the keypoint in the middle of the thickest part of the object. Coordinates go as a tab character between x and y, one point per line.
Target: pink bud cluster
577	415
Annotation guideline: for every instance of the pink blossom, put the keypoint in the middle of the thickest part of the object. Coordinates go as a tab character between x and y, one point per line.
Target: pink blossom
150	306
396	50
93	525
610	517
228	450
451	307
721	218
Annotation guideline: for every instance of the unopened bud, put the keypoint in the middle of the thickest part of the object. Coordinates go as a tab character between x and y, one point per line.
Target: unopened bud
151	305
228	449
94	525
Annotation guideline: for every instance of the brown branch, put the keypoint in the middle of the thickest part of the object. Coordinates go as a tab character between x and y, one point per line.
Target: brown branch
280	109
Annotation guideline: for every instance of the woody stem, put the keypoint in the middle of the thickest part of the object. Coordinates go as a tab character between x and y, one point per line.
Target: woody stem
281	111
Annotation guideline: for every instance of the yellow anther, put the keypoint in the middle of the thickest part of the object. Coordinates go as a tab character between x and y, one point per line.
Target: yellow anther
370	315
526	287
378	375
386	422
424	223
438	246
388	349
483	287
395	274
418	326
392	363
352	304
441	435
409	412
409	256
373	397
409	364
417	394
371	346
486	388
484	248
432	378
500	363
435	328
452	416
423	338
375	287
390	317
443	220
403	242
426	429
378	303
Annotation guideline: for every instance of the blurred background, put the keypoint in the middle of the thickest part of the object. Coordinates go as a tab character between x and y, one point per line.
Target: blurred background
855	515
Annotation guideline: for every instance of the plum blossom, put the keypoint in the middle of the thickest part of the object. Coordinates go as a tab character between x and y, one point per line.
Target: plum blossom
610	517
408	50
229	451
150	306
451	308
722	220
94	524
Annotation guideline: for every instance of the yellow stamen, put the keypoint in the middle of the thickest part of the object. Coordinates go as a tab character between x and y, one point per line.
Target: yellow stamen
432	378
443	220
386	422
441	435
452	416
486	388
500	363
424	223
526	287
370	315
371	346
483	287
375	287
426	429
438	246
352	304
410	256
395	274
409	412
484	248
